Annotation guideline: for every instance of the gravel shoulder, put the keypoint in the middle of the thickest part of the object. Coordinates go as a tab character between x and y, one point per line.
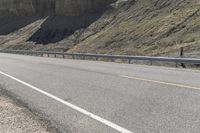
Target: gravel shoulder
14	118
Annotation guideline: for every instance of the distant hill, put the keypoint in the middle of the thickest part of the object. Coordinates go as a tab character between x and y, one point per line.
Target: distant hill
136	27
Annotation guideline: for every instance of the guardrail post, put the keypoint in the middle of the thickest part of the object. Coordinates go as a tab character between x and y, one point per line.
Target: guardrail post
112	59
47	55
151	62
181	55
63	56
129	61
55	55
176	64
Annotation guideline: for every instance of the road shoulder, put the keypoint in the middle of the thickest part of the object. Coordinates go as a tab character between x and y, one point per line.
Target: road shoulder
15	118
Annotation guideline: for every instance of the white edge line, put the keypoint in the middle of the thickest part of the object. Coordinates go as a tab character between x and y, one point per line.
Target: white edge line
89	114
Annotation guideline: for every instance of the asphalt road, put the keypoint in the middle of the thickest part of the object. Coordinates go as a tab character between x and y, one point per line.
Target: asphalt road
102	97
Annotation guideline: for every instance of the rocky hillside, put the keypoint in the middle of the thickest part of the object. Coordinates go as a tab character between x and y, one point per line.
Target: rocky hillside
57	7
136	27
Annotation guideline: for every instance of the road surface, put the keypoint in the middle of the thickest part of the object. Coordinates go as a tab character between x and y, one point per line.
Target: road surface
101	97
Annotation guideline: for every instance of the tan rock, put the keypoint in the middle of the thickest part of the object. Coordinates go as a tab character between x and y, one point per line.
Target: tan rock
60	7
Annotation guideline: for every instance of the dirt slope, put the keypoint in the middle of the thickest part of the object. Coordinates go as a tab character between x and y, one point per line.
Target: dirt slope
137	27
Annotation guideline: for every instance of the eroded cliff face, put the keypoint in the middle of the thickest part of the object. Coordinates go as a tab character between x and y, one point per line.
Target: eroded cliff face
23	8
16	8
78	7
60	18
136	27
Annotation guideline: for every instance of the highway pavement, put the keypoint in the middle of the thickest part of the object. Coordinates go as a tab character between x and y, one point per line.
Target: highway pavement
79	96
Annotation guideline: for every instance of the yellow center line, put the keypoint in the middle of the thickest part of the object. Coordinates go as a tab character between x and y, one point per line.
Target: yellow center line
161	82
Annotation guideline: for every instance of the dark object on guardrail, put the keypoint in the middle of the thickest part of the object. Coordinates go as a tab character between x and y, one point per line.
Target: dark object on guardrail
112	57
181	55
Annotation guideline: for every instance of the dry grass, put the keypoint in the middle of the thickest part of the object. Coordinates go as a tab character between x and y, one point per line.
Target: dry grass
145	27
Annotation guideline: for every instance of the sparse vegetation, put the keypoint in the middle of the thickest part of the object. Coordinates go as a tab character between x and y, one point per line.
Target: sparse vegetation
139	27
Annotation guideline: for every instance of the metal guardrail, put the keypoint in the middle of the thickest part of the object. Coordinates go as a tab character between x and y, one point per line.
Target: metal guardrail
97	56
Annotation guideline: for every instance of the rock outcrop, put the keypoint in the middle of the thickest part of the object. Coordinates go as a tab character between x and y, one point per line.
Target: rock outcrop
62	17
136	27
57	7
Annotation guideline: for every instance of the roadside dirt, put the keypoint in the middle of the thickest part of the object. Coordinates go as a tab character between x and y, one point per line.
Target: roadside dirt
15	118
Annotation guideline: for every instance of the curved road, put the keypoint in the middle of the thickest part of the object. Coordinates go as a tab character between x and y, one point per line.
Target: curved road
101	97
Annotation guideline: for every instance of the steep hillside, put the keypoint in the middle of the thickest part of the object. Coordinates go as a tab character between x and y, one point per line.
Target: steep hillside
147	27
137	27
57	7
45	21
